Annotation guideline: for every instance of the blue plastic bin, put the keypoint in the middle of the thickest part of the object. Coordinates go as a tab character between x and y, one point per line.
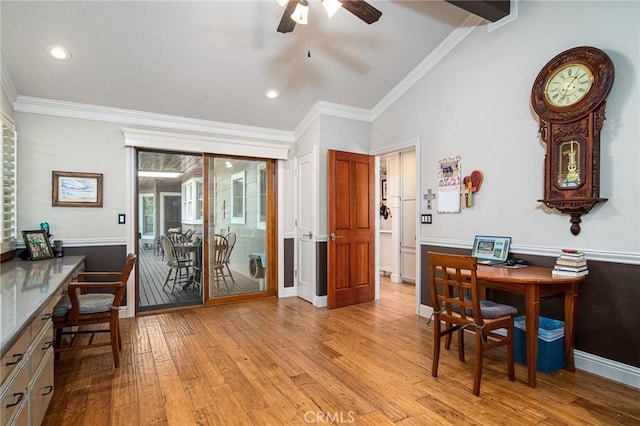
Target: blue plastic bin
550	344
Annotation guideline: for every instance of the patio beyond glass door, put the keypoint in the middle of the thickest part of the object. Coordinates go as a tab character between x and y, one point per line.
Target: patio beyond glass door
170	208
237	234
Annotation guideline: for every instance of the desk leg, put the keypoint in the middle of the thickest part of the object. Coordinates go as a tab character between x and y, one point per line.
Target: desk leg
570	299
532	311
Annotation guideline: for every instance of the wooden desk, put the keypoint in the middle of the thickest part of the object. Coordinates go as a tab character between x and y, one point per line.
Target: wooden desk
535	282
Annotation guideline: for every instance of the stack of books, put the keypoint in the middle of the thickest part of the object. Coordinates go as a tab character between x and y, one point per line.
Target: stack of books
571	263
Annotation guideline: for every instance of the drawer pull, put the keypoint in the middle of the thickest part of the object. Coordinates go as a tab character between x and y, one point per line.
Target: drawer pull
18	359
47	345
47	316
20	396
49	389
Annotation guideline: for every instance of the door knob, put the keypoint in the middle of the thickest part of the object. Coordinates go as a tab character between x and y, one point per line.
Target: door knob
309	235
334	236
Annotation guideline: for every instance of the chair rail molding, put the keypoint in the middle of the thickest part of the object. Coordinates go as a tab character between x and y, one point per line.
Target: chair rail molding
595	255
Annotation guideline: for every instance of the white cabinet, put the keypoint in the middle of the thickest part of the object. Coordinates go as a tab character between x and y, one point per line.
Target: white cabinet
15	393
41	388
27	337
192	201
29	386
386	251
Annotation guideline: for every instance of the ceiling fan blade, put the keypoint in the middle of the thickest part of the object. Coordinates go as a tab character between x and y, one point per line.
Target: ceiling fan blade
362	10
286	23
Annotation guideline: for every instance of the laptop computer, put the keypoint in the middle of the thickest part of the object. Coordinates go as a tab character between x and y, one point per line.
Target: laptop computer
490	250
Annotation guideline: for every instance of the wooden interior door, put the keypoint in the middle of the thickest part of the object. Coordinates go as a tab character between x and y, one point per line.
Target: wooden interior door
351	228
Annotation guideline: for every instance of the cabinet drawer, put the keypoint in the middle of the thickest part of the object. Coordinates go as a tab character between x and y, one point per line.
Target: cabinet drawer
15	396
22	419
44	317
42	346
16	353
41	390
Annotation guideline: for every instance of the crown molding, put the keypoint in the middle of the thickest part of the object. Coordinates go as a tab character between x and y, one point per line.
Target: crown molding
442	50
137	118
333	110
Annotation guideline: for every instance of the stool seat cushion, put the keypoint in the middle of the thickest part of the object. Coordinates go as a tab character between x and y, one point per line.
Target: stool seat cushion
90	303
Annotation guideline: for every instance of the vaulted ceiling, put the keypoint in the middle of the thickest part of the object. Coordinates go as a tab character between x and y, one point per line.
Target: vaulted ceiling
214	60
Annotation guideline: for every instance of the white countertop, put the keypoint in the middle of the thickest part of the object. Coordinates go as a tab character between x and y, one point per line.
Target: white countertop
25	288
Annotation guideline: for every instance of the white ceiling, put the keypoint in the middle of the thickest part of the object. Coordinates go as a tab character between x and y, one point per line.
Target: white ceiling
214	60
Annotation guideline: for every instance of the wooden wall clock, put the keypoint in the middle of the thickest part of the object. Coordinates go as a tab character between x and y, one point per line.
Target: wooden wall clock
569	97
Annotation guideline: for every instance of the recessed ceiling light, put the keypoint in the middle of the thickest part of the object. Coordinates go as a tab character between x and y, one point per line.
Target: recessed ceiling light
272	94
59	53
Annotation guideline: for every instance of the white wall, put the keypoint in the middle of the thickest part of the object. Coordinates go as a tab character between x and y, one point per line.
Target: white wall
476	103
343	135
47	143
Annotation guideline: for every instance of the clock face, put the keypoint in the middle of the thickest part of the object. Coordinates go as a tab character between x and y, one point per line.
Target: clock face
568	85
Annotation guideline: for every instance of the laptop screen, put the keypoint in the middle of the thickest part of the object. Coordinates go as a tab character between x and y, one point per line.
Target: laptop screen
491	248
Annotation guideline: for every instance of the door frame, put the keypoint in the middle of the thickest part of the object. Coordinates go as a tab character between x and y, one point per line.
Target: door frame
271	145
390	149
162	221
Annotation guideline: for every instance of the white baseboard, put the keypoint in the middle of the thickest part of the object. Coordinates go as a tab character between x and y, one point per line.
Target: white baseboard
320	301
607	368
287	292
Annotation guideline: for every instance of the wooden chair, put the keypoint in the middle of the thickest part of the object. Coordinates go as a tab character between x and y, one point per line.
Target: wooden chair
456	302
231	243
177	265
197	267
219	247
79	308
179	242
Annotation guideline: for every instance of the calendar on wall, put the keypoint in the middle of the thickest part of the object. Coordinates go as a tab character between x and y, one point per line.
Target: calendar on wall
449	178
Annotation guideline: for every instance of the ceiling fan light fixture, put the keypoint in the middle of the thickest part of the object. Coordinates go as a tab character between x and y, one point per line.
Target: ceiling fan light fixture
331	6
301	14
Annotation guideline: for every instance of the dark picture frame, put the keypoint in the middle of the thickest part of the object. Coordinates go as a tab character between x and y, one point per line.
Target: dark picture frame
37	243
383	188
72	189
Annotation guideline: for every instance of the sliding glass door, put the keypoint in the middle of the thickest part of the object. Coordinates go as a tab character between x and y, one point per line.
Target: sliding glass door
206	227
238	221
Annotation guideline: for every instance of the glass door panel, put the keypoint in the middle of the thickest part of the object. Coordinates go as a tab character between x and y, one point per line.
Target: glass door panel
237	234
169	186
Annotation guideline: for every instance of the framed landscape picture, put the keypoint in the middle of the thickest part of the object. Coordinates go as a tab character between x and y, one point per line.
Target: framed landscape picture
37	243
71	189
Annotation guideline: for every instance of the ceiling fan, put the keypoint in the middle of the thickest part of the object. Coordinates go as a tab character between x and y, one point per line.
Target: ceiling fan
297	11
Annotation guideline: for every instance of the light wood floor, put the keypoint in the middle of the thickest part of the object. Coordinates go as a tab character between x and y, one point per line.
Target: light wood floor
284	362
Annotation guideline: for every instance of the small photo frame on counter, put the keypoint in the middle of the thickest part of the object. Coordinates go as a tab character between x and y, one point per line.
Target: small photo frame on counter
37	243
